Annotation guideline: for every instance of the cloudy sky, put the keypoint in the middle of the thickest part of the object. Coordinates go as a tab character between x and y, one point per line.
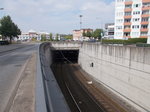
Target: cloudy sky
58	16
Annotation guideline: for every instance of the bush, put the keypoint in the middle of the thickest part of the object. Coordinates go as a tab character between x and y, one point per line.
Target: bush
142	45
126	42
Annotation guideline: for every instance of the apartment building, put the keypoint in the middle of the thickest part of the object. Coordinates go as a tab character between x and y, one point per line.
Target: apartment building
78	34
109	31
132	19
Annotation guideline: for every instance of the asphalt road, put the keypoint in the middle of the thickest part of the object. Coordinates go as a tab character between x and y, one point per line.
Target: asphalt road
11	63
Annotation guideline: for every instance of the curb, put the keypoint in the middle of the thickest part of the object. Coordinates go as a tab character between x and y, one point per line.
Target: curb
14	91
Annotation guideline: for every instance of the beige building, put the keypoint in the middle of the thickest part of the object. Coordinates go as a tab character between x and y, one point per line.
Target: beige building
78	34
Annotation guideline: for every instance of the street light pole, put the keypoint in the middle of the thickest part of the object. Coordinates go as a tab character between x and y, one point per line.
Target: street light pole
81	21
1	8
80	26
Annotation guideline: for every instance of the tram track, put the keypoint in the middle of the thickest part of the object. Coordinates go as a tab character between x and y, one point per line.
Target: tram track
83	102
83	97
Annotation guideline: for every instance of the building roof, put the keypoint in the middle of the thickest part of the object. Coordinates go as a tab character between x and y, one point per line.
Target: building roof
32	31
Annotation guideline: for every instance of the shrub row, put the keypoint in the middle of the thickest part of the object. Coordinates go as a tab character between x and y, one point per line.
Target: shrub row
129	41
142	45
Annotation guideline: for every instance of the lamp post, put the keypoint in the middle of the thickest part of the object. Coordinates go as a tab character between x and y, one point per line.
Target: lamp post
1	8
81	21
80	26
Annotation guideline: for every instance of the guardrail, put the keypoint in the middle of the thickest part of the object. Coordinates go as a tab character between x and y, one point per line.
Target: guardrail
49	97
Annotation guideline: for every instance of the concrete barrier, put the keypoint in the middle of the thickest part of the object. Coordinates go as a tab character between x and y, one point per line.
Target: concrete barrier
123	70
52	97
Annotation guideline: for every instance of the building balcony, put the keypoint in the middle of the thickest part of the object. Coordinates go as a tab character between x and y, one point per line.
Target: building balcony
144	29
128	9
128	17
127	23
145	22
143	36
145	1
127	30
145	15
146	8
128	3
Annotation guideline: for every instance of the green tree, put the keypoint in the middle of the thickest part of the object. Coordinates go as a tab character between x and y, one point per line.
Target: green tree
57	36
68	37
8	28
51	36
43	38
97	33
89	34
84	34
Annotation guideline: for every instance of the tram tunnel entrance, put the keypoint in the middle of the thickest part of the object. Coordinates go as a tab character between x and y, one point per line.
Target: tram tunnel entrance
65	56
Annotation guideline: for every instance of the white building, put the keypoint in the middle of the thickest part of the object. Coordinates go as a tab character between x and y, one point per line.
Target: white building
33	34
132	19
109	31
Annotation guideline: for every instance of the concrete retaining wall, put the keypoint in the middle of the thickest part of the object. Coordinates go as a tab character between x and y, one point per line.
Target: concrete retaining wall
65	45
124	70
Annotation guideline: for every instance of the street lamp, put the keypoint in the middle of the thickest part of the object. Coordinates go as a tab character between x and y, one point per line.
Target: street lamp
81	21
80	26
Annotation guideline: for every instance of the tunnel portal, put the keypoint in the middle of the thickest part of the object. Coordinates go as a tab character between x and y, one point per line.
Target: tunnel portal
65	56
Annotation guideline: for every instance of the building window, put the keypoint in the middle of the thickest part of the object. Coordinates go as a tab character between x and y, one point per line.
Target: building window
119	14
146	4
118	27
145	19
118	34
135	34
127	20
128	6
143	33
145	12
127	27
136	12
127	13
120	0
136	5
127	34
136	19
119	20
144	26
135	26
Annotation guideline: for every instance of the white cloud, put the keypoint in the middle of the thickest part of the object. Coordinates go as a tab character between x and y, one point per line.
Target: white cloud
58	16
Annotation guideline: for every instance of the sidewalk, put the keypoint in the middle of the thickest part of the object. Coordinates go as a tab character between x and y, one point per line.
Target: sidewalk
24	100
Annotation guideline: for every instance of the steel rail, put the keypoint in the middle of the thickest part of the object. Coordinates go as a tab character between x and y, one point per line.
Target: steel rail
73	97
82	88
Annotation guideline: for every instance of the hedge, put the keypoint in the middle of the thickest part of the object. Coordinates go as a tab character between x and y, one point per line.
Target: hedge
129	41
